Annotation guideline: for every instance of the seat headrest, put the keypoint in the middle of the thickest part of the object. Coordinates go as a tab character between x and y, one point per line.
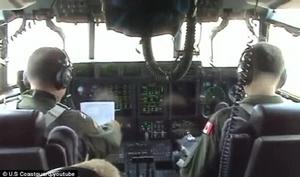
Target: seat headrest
21	128
66	137
276	119
59	132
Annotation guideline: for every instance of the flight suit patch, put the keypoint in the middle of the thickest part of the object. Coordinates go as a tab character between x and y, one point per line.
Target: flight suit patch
208	129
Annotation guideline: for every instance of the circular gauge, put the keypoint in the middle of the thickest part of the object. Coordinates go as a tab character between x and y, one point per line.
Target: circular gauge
214	94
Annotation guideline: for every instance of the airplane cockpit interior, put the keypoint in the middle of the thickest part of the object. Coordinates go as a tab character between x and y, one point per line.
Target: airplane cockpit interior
182	67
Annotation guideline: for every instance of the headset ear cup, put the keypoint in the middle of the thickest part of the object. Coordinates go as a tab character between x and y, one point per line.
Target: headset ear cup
67	78
59	79
63	78
282	80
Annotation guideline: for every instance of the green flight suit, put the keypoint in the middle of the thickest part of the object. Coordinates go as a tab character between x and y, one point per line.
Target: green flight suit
99	140
204	162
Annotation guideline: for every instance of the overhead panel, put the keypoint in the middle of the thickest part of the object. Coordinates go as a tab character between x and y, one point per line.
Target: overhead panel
145	18
78	11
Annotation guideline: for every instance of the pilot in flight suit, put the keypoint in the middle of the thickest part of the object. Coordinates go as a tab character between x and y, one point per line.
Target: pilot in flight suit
49	73
267	68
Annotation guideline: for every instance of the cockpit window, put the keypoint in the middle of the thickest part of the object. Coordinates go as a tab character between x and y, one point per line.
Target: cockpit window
289	45
24	44
39	35
286	16
228	44
113	46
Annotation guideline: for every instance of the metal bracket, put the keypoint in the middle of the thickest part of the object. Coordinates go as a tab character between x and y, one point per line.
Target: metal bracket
214	32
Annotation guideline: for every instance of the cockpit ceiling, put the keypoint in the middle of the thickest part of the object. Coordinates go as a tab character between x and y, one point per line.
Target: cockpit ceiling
85	11
21	4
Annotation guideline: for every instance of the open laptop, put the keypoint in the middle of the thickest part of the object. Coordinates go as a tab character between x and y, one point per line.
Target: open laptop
101	111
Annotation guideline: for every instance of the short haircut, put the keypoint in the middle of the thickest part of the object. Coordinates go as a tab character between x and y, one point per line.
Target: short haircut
44	64
267	58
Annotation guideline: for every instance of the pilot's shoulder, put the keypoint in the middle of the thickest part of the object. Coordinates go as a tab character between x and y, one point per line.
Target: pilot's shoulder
63	106
72	112
222	114
216	121
75	114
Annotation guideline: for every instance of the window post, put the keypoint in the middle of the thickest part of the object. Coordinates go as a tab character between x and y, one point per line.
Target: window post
92	40
3	55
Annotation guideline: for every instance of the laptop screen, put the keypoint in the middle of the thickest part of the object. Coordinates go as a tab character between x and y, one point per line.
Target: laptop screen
101	111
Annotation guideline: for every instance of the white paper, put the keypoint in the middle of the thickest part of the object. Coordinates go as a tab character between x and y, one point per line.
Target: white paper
101	111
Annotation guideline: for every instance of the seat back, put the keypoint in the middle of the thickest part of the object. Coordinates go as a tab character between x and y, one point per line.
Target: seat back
23	158
68	140
25	143
276	119
275	156
240	149
21	128
271	145
22	136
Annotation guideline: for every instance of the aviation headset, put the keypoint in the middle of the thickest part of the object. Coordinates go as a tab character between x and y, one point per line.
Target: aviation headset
64	75
246	67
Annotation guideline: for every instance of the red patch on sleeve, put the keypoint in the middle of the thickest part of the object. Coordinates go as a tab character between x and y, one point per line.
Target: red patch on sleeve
208	129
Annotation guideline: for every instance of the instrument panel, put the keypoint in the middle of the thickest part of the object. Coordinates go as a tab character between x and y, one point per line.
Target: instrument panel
153	113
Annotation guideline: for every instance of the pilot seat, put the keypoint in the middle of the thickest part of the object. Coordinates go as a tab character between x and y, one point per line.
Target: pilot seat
272	148
25	143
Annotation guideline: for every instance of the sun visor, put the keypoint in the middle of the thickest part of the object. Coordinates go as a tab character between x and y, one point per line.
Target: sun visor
15	4
272	4
139	18
292	4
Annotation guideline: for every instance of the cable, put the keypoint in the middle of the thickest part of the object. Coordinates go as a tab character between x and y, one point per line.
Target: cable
6	40
250	27
23	28
183	66
224	166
